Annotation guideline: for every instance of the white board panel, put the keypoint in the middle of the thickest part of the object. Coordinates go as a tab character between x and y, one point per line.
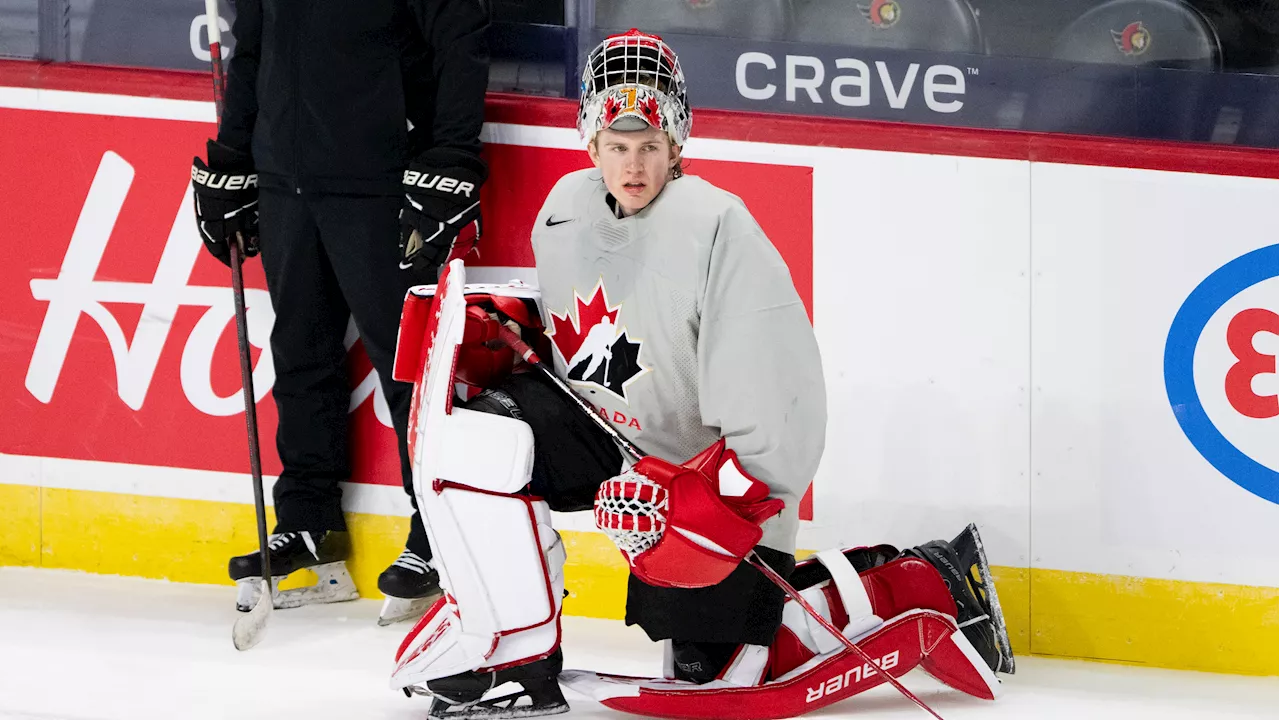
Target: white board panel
1117	485
920	291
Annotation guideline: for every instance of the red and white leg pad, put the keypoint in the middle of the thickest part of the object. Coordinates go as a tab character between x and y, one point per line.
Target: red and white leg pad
919	638
808	669
500	560
853	602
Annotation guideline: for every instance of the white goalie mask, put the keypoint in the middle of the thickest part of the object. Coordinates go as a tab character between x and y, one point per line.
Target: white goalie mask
632	80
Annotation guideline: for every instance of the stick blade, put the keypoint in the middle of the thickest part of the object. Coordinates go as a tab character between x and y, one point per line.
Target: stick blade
250	626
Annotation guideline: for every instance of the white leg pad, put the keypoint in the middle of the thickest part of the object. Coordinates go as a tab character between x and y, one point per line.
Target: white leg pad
500	561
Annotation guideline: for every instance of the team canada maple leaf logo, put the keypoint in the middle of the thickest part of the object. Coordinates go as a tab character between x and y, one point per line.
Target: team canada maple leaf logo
649	108
611	110
594	347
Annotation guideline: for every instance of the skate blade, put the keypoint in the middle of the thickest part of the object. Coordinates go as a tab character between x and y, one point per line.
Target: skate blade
333	584
989	587
248	590
396	609
249	628
495	704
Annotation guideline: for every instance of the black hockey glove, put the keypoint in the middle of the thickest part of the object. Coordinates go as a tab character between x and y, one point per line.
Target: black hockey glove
226	195
441	212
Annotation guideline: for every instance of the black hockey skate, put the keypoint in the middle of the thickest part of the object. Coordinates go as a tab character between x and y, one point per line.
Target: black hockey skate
470	695
324	553
964	568
411	585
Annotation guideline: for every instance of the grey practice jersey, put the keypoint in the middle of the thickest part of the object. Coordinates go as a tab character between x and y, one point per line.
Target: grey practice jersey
681	325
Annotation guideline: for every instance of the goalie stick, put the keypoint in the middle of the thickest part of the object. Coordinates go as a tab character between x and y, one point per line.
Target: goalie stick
249	627
512	340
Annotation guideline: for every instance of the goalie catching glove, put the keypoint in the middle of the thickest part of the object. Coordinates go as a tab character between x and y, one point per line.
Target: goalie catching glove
440	219
685	526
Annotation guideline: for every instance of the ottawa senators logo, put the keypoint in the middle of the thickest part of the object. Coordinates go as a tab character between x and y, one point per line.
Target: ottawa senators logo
595	349
881	14
1134	39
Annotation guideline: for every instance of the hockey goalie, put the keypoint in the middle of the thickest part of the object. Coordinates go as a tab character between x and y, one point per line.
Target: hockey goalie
682	401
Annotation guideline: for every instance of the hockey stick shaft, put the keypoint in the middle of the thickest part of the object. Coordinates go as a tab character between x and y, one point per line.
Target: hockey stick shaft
215	55
250	411
250	408
512	340
247	633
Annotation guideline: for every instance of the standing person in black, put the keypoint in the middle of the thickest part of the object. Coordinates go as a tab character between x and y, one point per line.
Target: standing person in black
316	169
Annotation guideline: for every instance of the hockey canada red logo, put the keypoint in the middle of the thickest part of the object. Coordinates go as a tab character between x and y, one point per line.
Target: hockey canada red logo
594	347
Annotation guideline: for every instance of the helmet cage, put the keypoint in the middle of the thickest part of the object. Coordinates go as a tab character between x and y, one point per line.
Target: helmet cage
634	74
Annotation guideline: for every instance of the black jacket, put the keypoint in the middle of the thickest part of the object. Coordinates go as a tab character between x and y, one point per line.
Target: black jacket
318	91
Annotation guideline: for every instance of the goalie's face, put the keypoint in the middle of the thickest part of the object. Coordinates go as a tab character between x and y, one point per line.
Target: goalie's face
636	165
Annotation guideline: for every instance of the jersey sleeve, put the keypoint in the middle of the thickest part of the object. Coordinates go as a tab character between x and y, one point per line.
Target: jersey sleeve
759	370
458	69
240	106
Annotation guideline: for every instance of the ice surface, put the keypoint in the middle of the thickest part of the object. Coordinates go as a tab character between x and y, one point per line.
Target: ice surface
75	646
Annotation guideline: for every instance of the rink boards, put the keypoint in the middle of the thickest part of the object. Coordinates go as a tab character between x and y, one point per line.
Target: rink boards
1068	341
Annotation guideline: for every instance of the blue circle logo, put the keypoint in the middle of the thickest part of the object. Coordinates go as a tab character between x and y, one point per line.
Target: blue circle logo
1179	379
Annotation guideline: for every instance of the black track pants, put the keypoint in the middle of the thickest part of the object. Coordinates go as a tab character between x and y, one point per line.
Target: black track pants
329	258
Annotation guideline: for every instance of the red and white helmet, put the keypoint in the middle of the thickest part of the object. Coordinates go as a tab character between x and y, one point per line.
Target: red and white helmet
632	80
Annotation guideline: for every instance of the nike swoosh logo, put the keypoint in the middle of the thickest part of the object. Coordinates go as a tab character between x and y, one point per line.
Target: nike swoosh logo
552	222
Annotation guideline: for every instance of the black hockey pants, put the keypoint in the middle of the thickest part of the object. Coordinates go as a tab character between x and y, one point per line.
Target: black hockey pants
329	258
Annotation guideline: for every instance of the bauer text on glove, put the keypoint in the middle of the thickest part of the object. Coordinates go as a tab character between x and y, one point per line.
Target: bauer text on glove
440	218
226	201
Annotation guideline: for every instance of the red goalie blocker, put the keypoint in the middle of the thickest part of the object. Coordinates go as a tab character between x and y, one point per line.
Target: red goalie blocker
483	360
